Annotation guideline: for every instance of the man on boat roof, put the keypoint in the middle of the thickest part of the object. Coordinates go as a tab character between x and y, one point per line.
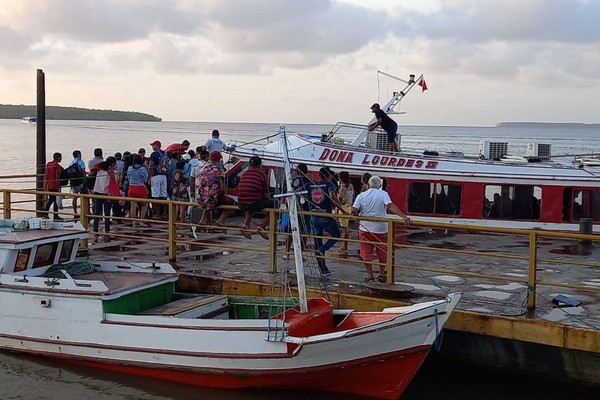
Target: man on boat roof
387	124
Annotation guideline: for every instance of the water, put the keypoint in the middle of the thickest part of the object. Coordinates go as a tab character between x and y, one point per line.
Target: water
66	136
26	377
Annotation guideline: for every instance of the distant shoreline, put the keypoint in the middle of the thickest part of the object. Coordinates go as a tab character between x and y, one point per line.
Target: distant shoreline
11	111
545	125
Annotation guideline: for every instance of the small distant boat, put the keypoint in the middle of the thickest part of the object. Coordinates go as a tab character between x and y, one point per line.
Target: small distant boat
29	120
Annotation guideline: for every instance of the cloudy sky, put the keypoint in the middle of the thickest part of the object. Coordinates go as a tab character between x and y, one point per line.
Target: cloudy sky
307	61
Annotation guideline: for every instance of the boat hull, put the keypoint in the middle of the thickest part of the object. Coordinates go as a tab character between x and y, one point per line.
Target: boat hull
385	377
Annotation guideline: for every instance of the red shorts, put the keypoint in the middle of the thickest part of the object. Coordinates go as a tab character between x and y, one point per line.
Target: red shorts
138	191
225	200
368	241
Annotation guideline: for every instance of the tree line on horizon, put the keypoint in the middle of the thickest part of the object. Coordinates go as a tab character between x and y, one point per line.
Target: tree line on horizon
11	111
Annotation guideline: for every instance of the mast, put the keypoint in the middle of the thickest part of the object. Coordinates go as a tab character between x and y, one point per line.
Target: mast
391	104
293	212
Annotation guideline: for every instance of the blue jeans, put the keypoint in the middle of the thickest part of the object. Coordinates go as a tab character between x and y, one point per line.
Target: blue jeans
330	225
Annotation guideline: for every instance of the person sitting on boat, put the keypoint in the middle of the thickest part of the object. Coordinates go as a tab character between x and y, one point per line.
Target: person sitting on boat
322	197
254	196
210	190
387	124
52	183
375	202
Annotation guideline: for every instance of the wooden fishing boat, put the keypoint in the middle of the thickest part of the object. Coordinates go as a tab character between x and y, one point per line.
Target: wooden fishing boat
128	317
489	189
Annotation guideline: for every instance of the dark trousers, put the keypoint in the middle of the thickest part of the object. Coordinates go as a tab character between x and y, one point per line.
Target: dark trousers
101	205
330	225
52	200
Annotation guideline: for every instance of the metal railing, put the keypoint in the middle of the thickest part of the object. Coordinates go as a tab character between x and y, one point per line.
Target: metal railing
172	240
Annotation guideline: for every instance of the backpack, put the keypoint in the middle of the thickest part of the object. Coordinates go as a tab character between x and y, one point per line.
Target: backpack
89	182
63	179
164	164
73	173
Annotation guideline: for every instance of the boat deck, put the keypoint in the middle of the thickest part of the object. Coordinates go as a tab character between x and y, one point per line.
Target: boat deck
124	281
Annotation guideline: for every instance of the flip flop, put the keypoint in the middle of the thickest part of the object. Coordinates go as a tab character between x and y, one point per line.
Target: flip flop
246	233
261	231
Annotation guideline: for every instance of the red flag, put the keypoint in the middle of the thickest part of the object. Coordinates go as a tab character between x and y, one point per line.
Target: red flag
423	85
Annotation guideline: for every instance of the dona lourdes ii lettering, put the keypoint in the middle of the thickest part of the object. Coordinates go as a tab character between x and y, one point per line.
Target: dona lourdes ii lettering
375	159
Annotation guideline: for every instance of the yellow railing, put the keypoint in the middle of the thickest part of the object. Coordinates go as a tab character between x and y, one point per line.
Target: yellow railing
26	206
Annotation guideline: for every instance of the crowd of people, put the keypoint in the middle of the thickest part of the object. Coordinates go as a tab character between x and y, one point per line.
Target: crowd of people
197	177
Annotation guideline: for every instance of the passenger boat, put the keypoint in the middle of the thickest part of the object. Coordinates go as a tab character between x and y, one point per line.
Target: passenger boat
29	120
128	317
491	189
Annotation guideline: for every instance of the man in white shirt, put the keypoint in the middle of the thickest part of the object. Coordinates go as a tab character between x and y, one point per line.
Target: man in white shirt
214	143
375	202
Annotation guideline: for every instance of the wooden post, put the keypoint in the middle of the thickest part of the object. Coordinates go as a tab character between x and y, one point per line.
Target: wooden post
172	231
40	159
389	265
273	240
85	220
532	277
6	204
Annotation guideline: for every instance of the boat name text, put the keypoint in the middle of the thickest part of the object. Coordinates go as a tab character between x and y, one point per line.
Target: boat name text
370	159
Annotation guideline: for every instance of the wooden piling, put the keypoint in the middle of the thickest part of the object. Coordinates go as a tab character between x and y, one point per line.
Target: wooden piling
40	159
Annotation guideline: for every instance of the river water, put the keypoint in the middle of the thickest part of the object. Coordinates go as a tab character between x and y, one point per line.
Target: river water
26	377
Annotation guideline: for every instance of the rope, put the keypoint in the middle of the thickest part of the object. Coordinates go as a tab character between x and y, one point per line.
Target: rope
72	268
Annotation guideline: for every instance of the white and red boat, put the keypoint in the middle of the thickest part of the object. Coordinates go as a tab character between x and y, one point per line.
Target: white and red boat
127	317
491	189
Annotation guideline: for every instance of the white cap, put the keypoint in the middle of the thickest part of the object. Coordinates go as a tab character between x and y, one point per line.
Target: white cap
186	157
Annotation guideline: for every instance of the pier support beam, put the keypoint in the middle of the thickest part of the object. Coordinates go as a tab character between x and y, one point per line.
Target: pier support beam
532	277
40	147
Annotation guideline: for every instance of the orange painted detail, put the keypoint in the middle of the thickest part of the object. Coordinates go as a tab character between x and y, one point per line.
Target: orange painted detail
358	319
318	320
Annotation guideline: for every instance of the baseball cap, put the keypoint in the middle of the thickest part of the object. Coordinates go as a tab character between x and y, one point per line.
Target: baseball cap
375	105
215	156
255	160
141	150
187	157
156	143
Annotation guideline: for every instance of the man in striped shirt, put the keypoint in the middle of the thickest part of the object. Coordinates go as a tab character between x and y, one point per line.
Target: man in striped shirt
254	196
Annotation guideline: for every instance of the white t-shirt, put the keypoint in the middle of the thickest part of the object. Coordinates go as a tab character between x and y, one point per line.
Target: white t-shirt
373	203
215	144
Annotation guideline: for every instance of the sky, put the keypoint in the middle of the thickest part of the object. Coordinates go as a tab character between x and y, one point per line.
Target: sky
307	61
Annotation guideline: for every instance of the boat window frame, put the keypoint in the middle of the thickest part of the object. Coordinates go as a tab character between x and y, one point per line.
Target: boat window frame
508	192
433	206
569	214
22	260
63	258
47	261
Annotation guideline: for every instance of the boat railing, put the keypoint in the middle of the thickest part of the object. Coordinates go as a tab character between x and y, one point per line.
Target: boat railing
429	258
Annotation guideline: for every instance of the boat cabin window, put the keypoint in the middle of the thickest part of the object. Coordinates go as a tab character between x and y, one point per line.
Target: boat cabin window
581	203
434	198
45	255
66	251
22	260
512	202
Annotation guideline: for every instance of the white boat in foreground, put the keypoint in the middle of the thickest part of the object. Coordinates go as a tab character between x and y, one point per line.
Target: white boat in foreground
127	317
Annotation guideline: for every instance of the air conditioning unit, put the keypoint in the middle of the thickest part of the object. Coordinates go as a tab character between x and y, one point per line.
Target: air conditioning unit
540	150
492	150
379	141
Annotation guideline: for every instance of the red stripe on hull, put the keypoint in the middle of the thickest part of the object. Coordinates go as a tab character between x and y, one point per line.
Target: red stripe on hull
385	378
